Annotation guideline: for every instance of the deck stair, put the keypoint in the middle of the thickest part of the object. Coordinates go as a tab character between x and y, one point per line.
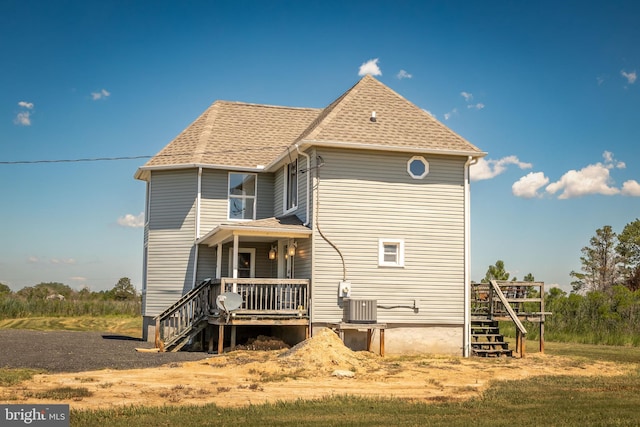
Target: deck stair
486	339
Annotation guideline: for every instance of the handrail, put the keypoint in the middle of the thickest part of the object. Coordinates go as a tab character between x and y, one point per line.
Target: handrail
508	307
184	315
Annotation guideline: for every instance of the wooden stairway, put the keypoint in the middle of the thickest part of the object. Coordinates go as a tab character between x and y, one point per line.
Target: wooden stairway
486	340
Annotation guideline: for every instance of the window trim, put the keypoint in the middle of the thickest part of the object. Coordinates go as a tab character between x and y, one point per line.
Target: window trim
424	162
230	196
287	206
399	243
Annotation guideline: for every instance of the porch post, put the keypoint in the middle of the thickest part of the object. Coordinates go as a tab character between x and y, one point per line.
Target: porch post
235	261
219	261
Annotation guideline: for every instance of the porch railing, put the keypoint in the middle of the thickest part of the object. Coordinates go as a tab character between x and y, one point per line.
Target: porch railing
270	296
260	297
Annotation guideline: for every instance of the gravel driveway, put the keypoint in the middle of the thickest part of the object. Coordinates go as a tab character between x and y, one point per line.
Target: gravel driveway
69	351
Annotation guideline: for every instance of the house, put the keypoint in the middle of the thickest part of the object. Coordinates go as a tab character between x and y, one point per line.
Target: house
302	211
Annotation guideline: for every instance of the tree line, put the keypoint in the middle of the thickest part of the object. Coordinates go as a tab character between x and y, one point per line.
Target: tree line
58	300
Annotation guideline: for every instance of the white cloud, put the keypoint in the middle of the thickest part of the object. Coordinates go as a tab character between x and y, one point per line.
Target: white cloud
467	96
33	260
528	185
631	188
25	104
631	77
23	118
487	169
450	114
429	113
478	106
100	95
370	67
78	278
600	80
132	221
402	74
592	179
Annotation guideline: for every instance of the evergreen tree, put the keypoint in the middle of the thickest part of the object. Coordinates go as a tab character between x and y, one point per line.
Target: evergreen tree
599	263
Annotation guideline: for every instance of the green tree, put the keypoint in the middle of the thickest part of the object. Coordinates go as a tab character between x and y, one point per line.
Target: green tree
628	249
4	290
496	272
599	263
124	290
529	278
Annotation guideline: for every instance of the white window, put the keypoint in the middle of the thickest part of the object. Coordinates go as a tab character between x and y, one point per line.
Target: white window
391	253
242	195
291	185
417	167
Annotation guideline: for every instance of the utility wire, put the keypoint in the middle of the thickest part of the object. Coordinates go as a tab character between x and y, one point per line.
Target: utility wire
105	159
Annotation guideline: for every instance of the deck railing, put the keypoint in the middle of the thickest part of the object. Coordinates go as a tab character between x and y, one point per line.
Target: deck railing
260	297
270	296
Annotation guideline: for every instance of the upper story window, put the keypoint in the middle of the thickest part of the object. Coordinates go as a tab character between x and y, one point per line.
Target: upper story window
291	185
417	167
242	195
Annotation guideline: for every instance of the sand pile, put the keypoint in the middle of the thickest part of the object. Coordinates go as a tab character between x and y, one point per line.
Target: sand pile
326	353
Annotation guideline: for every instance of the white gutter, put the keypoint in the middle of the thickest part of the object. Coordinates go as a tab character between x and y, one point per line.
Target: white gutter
466	338
143	172
306	222
197	236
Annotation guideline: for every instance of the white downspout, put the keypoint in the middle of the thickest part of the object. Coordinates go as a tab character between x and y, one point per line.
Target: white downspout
236	241
466	339
195	256
306	221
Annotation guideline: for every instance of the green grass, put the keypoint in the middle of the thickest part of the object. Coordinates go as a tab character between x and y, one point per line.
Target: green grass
62	393
549	401
9	377
125	325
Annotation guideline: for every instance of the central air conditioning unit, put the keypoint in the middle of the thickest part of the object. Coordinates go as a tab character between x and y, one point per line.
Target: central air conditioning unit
360	311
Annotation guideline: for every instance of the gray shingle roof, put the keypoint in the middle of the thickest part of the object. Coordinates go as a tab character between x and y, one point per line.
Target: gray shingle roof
242	135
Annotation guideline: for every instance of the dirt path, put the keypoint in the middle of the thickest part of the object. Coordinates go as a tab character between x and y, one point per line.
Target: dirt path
321	366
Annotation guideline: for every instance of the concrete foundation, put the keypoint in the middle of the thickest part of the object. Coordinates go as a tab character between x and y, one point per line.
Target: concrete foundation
402	339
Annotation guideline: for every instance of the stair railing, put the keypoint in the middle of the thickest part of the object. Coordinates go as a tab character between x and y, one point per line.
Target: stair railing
520	329
184	315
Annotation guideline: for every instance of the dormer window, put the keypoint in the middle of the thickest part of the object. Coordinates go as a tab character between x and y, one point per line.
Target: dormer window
242	195
291	185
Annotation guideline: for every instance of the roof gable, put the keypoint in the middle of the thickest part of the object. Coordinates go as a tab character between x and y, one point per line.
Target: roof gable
398	122
237	135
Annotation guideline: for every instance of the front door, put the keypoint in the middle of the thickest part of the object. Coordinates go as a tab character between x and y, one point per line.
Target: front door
246	262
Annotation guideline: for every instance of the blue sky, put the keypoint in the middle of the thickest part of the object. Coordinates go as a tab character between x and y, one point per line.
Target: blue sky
548	89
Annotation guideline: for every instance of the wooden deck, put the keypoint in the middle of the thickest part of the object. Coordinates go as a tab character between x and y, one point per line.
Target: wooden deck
505	301
265	302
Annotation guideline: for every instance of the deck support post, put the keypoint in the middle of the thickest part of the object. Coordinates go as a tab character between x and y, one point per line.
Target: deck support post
233	337
220	339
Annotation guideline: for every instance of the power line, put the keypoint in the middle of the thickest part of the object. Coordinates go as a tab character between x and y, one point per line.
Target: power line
93	159
108	159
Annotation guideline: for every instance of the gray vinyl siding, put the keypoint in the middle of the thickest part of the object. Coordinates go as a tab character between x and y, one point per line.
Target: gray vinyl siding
278	192
171	233
264	204
368	196
213	199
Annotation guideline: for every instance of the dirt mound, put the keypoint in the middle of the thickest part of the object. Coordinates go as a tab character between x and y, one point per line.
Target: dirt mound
326	352
263	343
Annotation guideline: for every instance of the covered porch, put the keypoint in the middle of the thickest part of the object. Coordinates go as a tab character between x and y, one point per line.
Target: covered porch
263	265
